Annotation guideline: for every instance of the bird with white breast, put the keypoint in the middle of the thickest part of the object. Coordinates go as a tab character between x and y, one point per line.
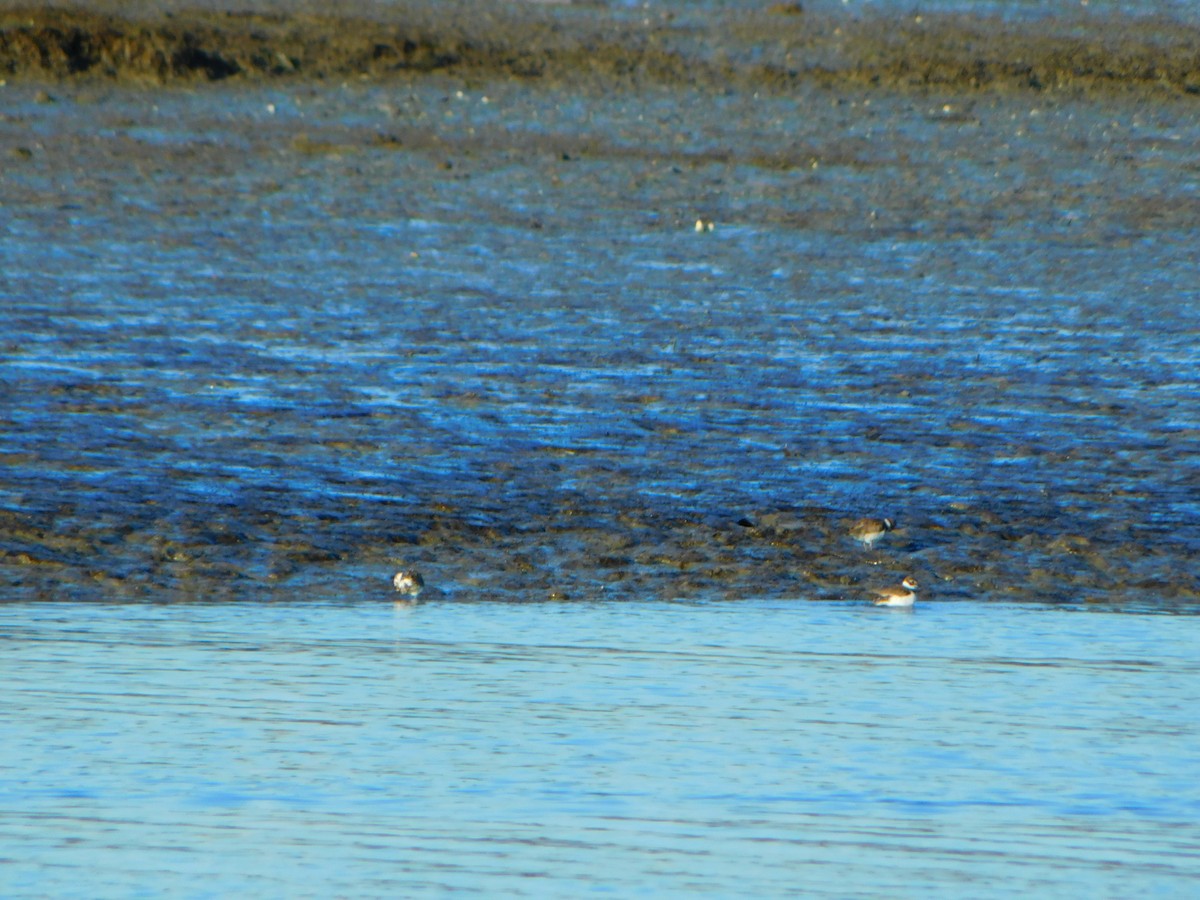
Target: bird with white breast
898	596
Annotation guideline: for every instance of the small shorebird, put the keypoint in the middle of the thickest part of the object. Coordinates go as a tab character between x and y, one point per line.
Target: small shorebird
408	583
901	596
870	530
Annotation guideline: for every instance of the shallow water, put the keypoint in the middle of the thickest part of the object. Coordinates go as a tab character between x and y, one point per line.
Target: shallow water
266	341
758	748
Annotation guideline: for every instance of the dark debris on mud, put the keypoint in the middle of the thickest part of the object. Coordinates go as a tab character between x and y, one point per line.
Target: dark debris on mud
774	49
802	553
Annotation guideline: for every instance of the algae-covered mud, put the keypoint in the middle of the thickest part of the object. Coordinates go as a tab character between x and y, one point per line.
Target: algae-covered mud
289	302
755	45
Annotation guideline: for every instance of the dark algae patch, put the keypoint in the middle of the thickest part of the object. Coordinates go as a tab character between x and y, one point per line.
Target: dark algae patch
61	43
771	48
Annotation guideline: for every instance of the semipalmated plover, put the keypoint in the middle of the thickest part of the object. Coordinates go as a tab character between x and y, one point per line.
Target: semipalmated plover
870	530
408	583
901	596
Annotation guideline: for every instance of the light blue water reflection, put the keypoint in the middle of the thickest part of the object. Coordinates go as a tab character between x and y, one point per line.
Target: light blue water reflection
754	748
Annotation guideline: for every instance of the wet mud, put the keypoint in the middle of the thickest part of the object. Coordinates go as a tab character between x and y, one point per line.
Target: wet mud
291	302
772	47
578	553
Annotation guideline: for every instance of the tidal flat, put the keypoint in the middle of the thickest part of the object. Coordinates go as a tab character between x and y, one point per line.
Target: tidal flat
293	300
609	319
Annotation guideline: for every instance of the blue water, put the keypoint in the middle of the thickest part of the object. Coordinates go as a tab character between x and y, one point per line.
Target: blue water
751	748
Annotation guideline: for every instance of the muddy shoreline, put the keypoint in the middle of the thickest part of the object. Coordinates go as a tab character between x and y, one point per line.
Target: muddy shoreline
774	49
426	186
632	553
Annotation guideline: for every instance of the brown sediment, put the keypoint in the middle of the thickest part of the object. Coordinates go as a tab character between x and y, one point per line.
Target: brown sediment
761	51
800	552
964	52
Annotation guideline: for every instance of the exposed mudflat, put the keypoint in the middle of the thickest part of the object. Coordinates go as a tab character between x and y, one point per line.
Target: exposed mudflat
289	302
767	46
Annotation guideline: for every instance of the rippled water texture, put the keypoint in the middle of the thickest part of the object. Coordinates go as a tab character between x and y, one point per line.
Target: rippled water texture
754	748
285	340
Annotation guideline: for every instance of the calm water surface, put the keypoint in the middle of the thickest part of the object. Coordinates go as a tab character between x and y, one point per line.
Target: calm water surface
761	747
